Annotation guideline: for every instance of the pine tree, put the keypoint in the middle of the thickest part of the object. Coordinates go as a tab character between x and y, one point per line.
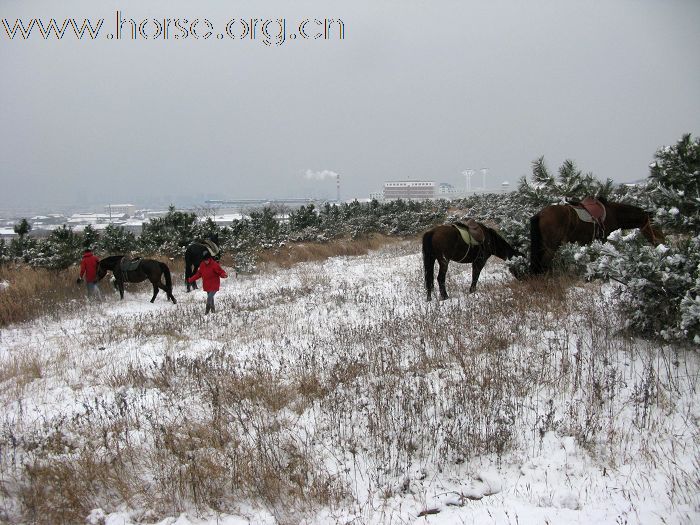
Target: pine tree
60	250
674	182
267	228
22	228
5	256
170	234
207	229
21	245
117	240
90	236
571	183
661	284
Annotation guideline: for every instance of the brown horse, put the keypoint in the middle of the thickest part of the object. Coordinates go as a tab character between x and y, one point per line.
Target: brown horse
444	244
559	224
145	269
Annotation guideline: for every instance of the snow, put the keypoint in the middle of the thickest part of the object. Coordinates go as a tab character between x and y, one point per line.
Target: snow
627	473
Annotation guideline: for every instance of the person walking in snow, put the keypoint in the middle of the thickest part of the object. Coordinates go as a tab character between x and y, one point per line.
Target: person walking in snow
88	270
210	272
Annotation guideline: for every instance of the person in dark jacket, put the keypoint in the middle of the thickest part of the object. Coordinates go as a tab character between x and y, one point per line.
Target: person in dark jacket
210	272
88	271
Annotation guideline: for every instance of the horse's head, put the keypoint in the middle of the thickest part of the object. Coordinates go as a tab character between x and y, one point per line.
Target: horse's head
654	235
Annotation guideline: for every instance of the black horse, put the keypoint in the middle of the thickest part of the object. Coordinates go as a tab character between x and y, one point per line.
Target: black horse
445	243
136	271
194	254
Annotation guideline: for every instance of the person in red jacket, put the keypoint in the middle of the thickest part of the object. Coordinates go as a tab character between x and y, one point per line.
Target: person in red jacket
88	270
210	271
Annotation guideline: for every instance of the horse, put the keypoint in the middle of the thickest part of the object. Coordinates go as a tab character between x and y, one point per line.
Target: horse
558	224
194	254
445	243
142	269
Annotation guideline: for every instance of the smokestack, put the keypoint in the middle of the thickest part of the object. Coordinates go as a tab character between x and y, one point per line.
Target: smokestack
337	187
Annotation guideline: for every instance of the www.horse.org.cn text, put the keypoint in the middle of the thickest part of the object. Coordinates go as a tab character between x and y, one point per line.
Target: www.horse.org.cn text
268	31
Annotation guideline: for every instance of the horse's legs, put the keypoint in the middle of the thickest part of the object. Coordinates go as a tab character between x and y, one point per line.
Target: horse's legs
477	266
548	253
442	273
155	291
429	278
120	285
191	286
161	286
188	273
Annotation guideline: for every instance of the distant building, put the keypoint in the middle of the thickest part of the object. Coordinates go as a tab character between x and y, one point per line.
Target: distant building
91	218
119	210
446	191
409	189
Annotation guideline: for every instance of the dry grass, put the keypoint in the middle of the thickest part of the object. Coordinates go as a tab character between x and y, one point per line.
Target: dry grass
294	253
234	444
20	370
33	292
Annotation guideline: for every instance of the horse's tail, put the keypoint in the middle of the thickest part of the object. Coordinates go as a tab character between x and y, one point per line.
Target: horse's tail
536	250
428	261
168	279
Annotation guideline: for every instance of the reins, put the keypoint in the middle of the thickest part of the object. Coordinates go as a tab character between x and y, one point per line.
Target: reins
469	248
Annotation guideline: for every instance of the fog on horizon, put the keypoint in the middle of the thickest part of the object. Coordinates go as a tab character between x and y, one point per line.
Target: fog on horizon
414	90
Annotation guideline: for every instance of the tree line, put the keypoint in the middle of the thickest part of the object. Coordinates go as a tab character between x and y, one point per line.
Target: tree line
661	286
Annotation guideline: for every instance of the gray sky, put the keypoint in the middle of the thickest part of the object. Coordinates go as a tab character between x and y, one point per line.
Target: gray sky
417	89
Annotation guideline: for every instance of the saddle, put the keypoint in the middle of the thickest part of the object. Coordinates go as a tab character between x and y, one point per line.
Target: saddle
128	264
211	246
471	231
593	211
590	210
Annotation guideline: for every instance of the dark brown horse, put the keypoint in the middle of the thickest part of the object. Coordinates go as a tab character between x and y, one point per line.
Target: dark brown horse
559	224
445	243
143	269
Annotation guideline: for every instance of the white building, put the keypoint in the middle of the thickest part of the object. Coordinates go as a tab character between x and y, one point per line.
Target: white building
119	210
409	189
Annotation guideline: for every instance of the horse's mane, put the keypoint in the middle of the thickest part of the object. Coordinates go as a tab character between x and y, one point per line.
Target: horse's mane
627	207
500	244
110	259
493	233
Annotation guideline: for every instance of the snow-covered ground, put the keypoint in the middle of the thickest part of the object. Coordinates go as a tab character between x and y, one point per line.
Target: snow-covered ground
516	404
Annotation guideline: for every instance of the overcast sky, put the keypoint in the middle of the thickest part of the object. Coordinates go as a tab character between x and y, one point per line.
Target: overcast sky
416	89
